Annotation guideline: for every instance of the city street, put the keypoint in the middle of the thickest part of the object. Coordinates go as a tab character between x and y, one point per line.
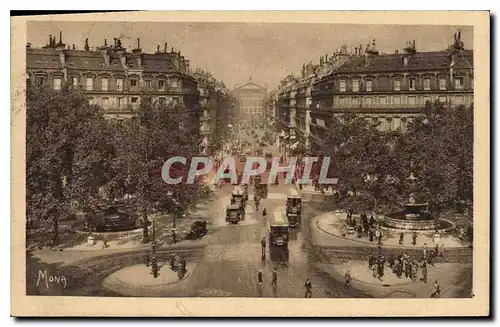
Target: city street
232	260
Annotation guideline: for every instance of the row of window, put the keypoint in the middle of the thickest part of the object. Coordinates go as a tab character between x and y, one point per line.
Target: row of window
396	100
123	102
119	82
384	123
412	84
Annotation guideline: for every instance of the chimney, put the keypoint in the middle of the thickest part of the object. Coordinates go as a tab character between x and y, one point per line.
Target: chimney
165	49
50	39
123	60
115	42
355	51
74	47
105	42
172	50
86	47
396	51
105	55
138	43
62	58
60	37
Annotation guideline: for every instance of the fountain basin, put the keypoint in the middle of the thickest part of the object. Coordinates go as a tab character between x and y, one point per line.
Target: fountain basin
410	224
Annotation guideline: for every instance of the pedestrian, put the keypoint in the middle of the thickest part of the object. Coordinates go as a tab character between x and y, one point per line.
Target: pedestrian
264	213
263	246
374	271
105	244
414	238
372	220
401	237
370	234
391	260
380	267
441	251
430	258
308	287
274	281
378	234
408	268
360	231
437	290
424	272
415	269
347	279
366	229
260	281
424	251
370	261
172	262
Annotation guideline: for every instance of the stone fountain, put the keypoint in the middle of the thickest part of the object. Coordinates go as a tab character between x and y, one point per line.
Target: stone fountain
415	215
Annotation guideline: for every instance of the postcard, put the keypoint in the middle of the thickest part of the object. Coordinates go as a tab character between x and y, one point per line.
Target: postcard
313	164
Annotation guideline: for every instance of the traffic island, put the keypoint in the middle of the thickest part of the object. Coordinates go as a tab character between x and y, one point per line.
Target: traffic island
333	223
138	280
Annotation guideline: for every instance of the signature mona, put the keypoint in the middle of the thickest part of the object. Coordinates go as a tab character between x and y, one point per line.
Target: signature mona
44	279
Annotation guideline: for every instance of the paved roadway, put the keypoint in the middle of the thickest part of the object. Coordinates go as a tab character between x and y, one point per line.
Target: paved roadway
231	262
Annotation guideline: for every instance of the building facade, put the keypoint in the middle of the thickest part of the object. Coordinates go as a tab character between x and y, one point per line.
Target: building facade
250	99
391	89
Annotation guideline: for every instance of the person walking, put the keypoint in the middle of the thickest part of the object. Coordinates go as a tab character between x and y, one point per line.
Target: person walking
374	270
437	290
347	279
264	213
401	238
308	287
424	251
414	238
378	234
263	246
415	269
424	272
441	251
274	280
260	281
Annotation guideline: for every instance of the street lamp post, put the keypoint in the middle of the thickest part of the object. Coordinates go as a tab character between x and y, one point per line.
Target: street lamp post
154	261
175	201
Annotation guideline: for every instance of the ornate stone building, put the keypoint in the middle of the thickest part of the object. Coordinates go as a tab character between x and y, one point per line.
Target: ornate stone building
114	78
250	98
389	88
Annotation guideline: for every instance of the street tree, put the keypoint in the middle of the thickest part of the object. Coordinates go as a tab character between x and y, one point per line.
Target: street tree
65	154
161	131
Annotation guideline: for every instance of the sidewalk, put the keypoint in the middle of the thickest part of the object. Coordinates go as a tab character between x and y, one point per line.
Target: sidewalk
333	222
309	189
132	240
455	280
138	280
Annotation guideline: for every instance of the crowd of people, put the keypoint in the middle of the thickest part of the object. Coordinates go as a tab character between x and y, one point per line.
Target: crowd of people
405	266
366	228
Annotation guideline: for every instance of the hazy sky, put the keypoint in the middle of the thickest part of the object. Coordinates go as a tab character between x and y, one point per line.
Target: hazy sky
233	52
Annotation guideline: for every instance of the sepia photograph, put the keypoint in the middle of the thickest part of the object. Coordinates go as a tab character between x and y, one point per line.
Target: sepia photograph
199	161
